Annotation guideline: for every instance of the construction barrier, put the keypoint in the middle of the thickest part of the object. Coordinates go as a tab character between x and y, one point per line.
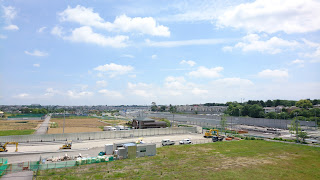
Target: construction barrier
3	166
97	135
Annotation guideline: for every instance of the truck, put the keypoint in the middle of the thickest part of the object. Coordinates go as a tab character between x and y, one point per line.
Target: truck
167	142
185	141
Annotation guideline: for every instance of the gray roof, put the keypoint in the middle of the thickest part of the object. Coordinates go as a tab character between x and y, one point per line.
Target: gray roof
143	119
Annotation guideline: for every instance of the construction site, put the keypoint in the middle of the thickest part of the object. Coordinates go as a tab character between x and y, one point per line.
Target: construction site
32	153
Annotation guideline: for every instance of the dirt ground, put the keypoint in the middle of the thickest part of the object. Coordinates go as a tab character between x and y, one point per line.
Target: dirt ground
19	124
77	125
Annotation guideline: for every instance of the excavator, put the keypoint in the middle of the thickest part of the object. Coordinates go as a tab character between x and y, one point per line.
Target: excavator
211	132
3	148
67	145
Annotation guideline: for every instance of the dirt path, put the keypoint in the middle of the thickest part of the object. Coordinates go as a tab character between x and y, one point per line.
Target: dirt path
44	126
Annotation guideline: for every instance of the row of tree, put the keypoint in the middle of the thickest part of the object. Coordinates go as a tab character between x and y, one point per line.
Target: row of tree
34	111
306	112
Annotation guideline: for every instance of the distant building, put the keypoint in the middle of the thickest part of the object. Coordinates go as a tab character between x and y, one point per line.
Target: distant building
144	123
316	106
292	108
269	109
1	114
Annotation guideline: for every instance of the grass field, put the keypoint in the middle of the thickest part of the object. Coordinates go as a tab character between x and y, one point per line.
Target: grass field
18	127
246	159
16	132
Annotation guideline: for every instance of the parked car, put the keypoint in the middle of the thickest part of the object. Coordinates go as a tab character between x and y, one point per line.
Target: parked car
185	141
167	142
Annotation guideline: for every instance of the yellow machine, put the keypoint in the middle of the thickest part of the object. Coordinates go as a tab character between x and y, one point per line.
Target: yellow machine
67	145
211	132
3	148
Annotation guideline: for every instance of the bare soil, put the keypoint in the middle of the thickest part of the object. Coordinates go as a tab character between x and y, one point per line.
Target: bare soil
76	125
19	124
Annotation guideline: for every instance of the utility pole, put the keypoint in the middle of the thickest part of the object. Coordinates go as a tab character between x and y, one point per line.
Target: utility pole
64	120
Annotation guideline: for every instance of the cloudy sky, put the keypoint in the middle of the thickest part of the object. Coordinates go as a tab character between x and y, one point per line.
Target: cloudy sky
171	52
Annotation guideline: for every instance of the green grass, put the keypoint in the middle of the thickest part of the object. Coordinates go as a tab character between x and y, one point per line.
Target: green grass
222	160
17	132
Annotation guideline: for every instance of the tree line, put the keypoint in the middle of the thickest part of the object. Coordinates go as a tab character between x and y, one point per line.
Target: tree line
255	109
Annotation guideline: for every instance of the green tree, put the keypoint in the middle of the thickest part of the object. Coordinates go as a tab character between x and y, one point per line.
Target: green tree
269	103
304	103
223	124
256	111
271	115
154	106
172	109
163	108
303	135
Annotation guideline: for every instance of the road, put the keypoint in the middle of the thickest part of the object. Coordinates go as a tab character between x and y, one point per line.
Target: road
44	126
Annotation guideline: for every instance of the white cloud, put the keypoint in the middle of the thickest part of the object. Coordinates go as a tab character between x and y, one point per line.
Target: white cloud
36	53
206	72
101	83
114	69
3	36
9	12
132	75
141	89
36	65
232	82
289	16
22	95
51	92
297	62
190	63
186	42
109	93
11	27
127	55
74	94
86	35
198	91
86	17
40	30
57	31
154	56
274	74
252	42
175	82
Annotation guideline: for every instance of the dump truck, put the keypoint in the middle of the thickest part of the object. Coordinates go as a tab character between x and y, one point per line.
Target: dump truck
3	148
210	133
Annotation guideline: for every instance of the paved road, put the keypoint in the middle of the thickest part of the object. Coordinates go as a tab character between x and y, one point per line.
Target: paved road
33	151
44	126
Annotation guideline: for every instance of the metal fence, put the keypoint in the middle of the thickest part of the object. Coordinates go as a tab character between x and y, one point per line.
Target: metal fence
97	135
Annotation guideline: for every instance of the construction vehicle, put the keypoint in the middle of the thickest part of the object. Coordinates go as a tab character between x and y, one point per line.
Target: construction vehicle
67	145
3	148
210	133
217	138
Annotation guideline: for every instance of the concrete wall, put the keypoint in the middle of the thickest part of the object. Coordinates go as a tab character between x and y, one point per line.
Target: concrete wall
212	120
97	135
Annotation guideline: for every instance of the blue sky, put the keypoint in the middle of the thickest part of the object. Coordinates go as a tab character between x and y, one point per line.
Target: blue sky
170	52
